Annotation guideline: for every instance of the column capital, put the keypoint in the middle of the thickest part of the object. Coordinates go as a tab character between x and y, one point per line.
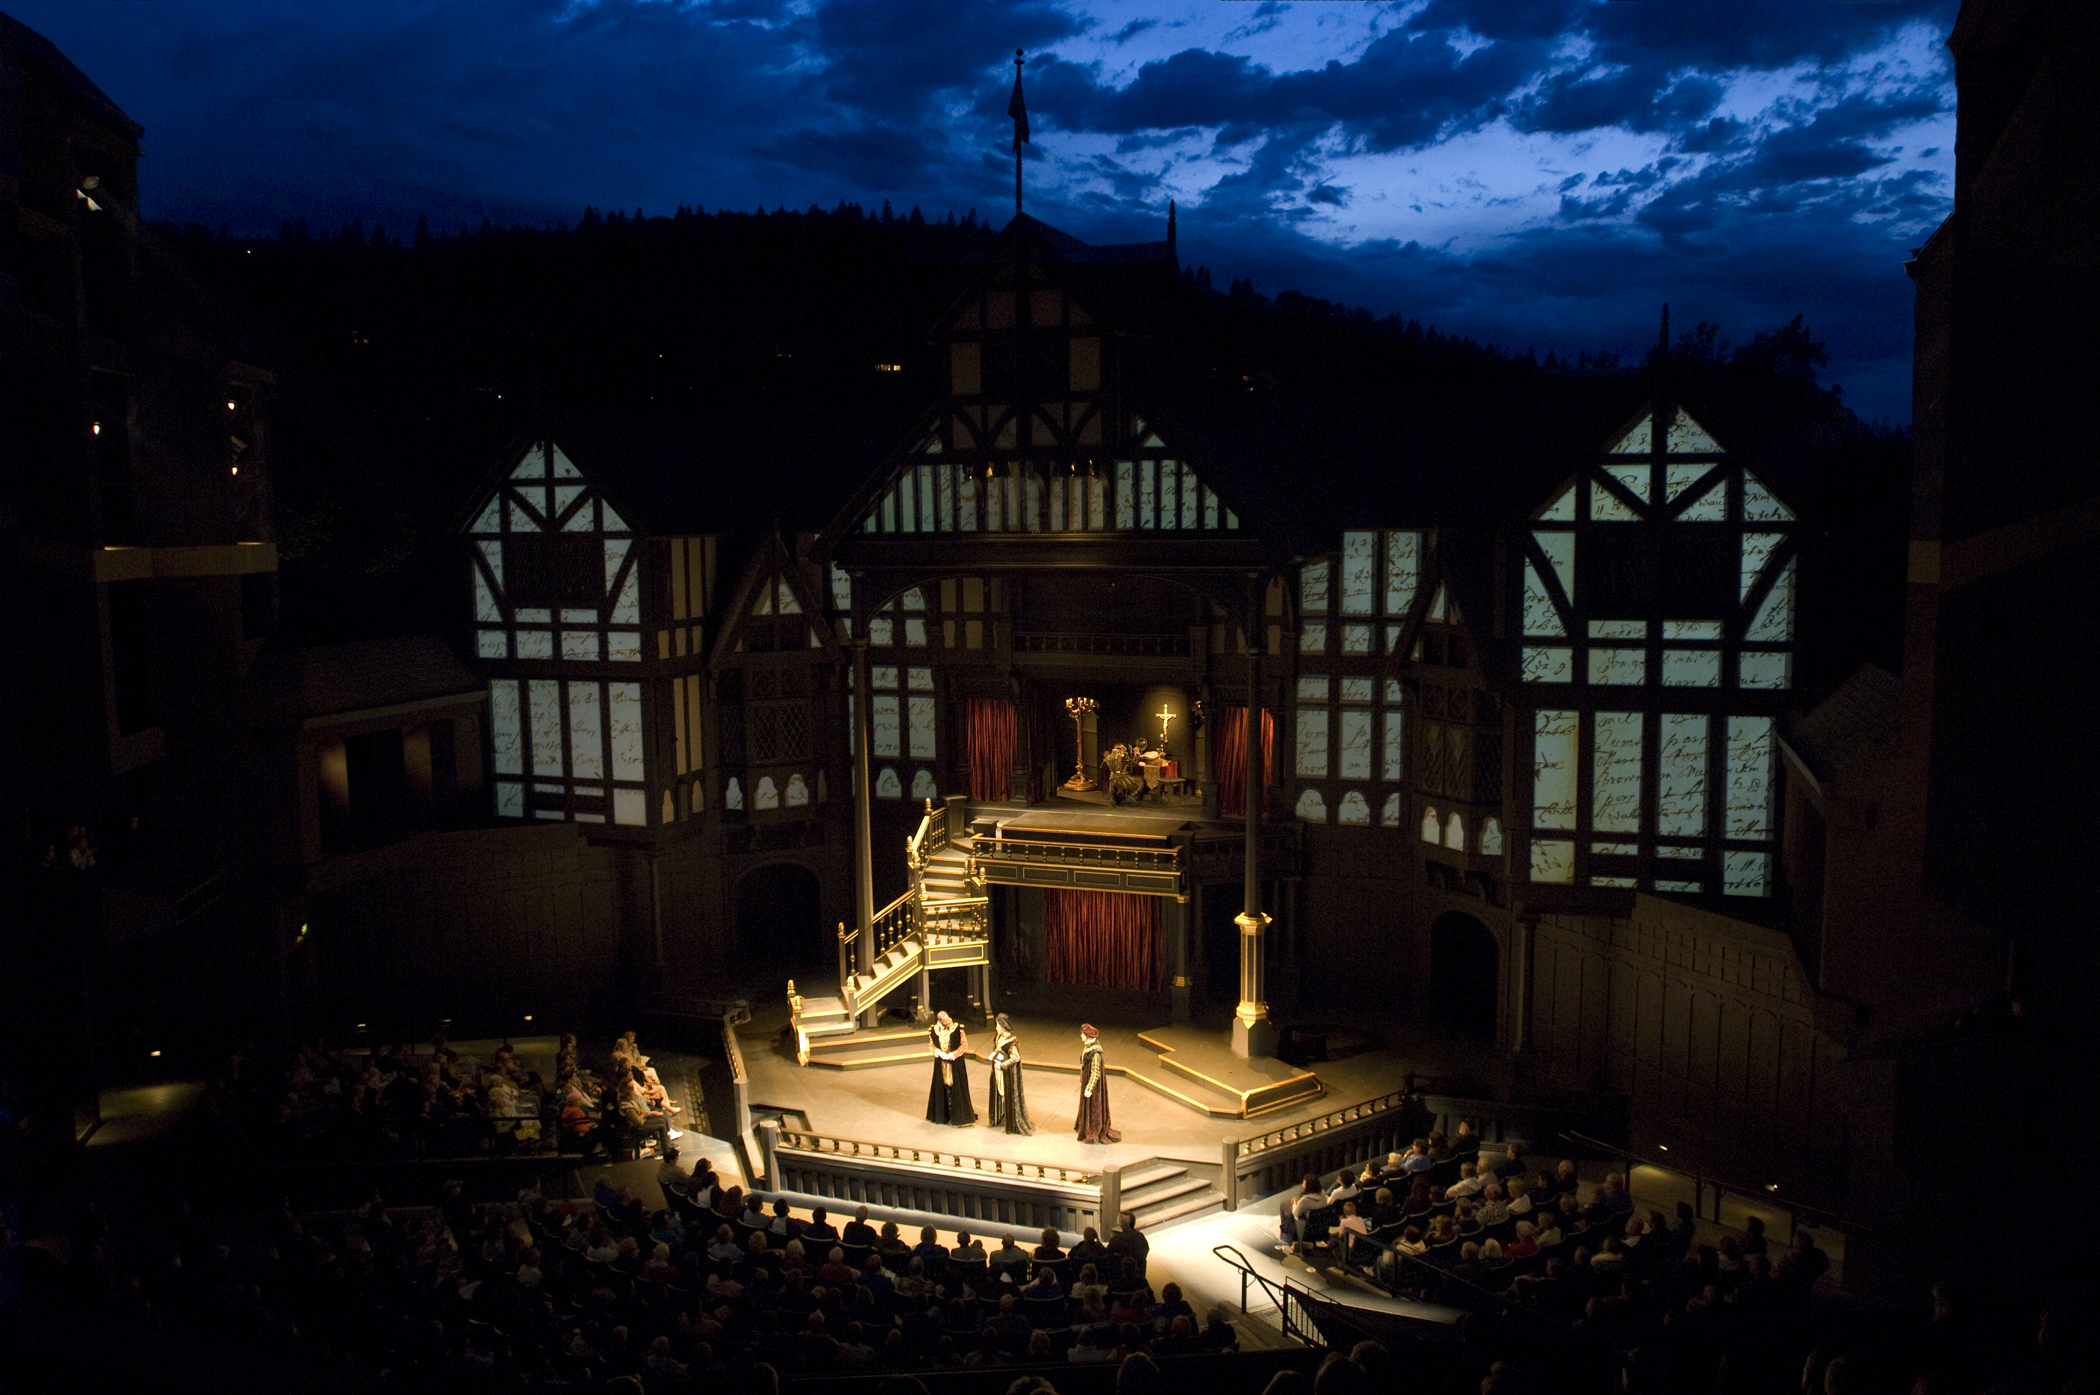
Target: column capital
1252	924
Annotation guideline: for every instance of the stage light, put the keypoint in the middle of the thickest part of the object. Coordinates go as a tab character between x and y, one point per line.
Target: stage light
230	407
152	1053
236	469
1664	1146
528	1017
360	1026
96	429
1771	1186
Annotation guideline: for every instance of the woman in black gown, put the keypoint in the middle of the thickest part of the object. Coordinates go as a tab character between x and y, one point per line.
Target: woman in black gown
948	1100
1009	1101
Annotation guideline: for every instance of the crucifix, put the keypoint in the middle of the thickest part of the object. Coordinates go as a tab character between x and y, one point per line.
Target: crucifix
1165	715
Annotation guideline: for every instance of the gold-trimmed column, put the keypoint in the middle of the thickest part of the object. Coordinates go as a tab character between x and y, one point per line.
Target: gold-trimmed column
1253	1035
863	807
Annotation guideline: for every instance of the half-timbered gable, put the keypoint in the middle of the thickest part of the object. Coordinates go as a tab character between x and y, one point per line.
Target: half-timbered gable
1656	610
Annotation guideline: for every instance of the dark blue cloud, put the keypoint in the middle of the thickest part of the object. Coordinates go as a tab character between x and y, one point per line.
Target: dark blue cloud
528	109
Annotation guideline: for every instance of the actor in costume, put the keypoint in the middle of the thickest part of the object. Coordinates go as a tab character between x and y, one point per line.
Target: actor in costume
1009	1103
1092	1122
948	1102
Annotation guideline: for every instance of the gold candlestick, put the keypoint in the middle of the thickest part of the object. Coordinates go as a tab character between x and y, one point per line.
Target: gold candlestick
1079	707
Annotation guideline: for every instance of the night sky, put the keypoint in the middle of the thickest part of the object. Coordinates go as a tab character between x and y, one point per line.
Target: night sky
1533	173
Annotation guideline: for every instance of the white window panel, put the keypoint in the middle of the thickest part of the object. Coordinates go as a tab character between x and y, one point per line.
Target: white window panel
1618	629
915	631
1634	479
1313	638
1638	441
1615	773
765	794
919	680
1691	668
1540	617
1758	504
543	696
1312	687
886	719
506	727
1763	670
913	599
1691	629
732	794
625	706
882	675
624	646
881	630
1757	550
1607	507
1389	816
1711	505
586	733
921	712
1548	664
1356	690
1394	693
1491	838
1680	887
1312	742
1392	637
1618	849
1745	873
1775	618
887	785
1562	509
1312	806
1356	639
923	786
1558	547
490	519
1553	860
510	799
841	590
1553	766
1359	573
1356	744
485	607
1395	743
1618	667
534	615
1680	802
796	796
1354	810
492	644
1749	777
1126	494
1688	437
1432	829
580	644
627	605
1455	831
1312	588
1403	571
573	616
535	644
630	807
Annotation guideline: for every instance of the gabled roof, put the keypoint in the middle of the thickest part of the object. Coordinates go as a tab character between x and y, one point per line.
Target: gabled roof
1858	716
35	49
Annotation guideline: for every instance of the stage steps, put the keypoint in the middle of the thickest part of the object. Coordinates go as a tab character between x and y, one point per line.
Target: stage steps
1161	1192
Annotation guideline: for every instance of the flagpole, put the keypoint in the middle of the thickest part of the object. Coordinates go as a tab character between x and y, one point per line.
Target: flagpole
1018	137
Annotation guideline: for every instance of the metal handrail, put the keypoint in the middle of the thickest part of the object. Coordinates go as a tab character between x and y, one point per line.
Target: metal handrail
1325	1123
1281	1295
824	1144
1350	1240
1769	1194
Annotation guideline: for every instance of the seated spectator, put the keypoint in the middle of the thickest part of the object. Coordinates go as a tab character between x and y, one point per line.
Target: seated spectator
1412	1242
1571	1220
1421	1200
1466	1144
968	1251
890	1244
1009	1254
1753	1241
1526	1244
754	1217
1611	1256
1309	1202
930	1247
1464	1221
1564	1179
1494	1207
858	1231
1470	1270
1093	1345
1044	1285
658	1267
1089	1246
835	1272
875	1278
783	1224
1469	1182
1543	1190
1548	1232
913	1286
725	1248
1417	1159
1511	1163
1011	1325
819	1229
1440	1148
1180	1339
1133	1309
729	1202
1686	1224
1048	1251
1519	1204
1172	1305
1385	1211
1217	1333
1441	1232
795	1259
1088	1286
1344	1188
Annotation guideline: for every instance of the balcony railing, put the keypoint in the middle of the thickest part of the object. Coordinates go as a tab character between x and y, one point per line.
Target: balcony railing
1116	646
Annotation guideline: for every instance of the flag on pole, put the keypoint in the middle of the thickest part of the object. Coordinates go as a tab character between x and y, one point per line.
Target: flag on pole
1017	108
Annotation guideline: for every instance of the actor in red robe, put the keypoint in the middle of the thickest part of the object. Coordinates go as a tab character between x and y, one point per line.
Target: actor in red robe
1092	1122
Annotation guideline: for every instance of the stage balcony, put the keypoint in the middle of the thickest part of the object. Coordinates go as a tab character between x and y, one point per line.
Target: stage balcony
1149	852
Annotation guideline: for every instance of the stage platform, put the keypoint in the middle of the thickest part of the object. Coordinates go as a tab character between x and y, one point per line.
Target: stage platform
1173	1090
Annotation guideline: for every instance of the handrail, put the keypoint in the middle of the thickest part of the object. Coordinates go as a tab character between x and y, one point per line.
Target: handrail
1023	849
1349	1240
1008	1168
1280	1295
1324	1123
1701	1180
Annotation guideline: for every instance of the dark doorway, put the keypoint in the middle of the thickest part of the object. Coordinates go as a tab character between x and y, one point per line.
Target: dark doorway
1463	961
779	923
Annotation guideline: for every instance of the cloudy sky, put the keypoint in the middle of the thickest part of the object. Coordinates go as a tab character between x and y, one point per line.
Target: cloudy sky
1530	172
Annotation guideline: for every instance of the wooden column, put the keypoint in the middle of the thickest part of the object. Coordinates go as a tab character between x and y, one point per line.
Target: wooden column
863	806
1253	1034
1178	916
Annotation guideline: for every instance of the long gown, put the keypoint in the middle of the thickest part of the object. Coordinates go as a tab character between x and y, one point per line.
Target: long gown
1092	1122
1009	1100
948	1099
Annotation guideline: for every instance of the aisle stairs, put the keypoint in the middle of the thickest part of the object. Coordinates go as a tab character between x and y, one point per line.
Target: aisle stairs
1161	1191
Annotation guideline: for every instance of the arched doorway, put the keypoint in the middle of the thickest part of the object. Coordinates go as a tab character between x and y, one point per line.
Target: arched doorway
1463	977
779	921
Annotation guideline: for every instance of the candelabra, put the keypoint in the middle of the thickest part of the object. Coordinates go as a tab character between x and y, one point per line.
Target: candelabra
1079	707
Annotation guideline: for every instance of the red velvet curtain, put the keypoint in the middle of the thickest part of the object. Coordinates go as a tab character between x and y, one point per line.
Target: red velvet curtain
1036	753
1104	939
991	744
1229	758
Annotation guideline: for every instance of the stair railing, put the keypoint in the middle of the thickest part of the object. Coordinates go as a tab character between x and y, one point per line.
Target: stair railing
1293	1311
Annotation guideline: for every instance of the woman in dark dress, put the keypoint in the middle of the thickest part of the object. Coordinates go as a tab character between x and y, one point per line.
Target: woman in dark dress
1092	1123
1009	1101
948	1100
